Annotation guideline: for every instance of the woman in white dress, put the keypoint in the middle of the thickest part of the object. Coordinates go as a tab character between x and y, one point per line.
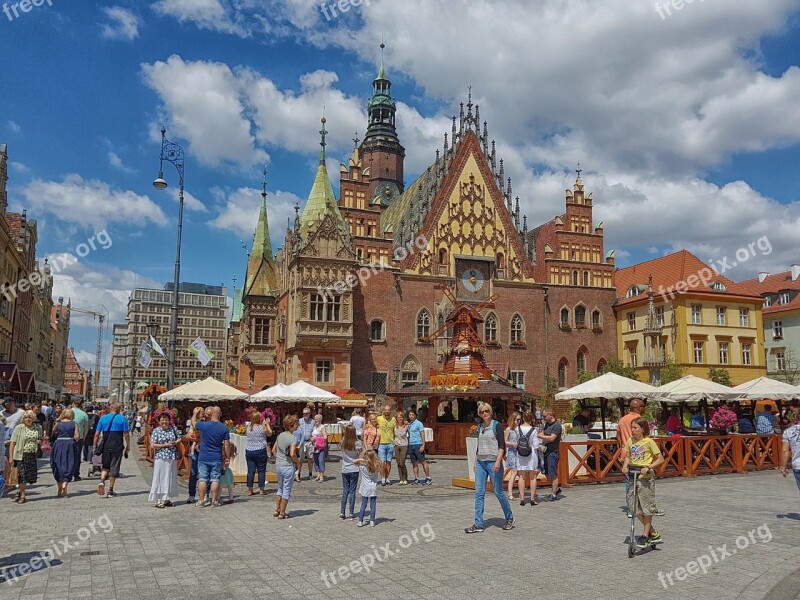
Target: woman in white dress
164	440
528	466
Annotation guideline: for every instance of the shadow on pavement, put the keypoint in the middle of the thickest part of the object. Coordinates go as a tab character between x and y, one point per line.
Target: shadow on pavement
21	564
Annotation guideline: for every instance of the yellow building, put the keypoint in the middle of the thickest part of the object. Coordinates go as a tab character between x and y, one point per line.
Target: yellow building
677	306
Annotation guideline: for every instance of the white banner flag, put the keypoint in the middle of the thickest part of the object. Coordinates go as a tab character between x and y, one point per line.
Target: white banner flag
143	356
203	354
155	346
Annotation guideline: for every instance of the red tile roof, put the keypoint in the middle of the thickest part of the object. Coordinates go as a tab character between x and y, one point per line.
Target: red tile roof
773	284
668	271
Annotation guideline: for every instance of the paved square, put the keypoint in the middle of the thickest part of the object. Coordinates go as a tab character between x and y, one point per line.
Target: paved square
573	548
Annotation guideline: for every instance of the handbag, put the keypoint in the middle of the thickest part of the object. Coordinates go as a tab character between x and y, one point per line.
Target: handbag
98	449
13	477
320	443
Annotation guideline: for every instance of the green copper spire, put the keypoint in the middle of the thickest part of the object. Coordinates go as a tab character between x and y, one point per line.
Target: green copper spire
382	71
321	200
261	278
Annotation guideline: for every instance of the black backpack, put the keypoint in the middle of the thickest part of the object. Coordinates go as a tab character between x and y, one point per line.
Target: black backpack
524	447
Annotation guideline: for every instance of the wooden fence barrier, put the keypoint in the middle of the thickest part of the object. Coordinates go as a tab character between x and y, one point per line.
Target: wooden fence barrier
686	456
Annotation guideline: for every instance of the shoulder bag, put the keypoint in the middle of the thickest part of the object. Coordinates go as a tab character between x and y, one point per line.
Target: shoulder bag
98	450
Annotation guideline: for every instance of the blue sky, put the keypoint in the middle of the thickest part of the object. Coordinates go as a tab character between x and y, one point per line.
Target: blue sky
687	127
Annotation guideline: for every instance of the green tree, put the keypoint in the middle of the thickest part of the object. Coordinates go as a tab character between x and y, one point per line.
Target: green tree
548	396
672	371
584	376
720	376
616	366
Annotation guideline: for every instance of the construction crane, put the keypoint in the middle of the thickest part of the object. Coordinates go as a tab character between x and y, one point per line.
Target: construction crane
101	318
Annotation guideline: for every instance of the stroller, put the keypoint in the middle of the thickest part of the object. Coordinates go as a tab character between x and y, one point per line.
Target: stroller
96	466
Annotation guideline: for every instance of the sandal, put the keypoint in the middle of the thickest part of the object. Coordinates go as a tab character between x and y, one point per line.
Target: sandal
285	516
262	493
251	493
23	500
276	514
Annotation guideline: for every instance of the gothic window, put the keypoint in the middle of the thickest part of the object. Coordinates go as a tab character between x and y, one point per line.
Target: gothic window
602	365
490	328
410	372
580	316
442	256
596	318
562	373
334	308
517	335
376	331
423	324
586	278
317	308
574	278
261	331
581	361
501	260
564	316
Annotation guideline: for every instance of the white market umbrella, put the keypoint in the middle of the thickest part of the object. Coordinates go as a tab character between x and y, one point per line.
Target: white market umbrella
204	390
694	389
765	388
302	391
271	394
609	386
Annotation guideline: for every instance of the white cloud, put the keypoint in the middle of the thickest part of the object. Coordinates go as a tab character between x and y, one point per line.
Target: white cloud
14	127
239	213
116	162
89	202
189	201
214	15
18	167
124	25
86	359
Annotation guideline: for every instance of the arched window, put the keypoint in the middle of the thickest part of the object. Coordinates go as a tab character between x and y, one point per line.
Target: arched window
581	361
442	256
490	328
586	278
574	278
602	365
595	319
410	371
517	334
423	324
580	316
562	373
500	260
377	331
564	316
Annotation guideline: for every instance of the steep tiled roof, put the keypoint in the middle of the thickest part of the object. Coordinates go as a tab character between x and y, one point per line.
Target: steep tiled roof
773	284
667	272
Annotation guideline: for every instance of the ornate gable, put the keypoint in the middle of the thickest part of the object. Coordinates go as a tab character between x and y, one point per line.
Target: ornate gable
468	217
327	241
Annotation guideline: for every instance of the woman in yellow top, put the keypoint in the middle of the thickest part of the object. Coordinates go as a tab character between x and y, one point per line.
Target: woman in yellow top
643	454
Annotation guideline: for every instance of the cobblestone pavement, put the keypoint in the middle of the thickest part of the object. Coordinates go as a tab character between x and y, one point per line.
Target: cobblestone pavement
572	548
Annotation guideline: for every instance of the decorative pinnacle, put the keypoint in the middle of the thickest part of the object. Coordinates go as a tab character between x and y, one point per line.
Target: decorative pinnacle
264	184
322	133
579	170
356	140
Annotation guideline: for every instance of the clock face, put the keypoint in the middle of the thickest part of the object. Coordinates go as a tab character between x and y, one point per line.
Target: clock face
473	281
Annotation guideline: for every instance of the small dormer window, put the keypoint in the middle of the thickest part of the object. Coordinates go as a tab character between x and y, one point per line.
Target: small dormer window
767	301
718	286
784	297
633	291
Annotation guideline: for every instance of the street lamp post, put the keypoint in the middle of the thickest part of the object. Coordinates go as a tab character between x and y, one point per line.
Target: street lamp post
173	153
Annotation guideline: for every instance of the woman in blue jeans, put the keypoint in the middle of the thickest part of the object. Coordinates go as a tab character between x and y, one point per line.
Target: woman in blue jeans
349	471
286	462
255	454
489	465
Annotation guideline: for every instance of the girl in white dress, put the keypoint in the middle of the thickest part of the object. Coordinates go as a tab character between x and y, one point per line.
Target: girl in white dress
528	466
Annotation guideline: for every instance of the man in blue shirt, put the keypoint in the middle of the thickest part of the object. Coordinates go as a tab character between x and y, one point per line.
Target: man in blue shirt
116	442
213	447
765	422
416	449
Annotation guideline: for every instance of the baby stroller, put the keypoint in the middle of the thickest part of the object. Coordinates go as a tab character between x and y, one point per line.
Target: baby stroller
96	466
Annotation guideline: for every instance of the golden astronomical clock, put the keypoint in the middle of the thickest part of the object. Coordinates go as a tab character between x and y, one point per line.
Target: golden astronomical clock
472	279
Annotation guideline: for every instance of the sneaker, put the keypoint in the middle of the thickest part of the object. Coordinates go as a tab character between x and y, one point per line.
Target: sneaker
191	500
77	478
508	525
361	523
201	504
630	516
101	489
553	498
383	484
404	482
215	504
372	523
352	518
655	538
558	491
415	482
427	481
342	517
474	529
660	512
641	541
160	505
111	494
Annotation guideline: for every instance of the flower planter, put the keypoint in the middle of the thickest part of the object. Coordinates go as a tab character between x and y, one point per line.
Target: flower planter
581	450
